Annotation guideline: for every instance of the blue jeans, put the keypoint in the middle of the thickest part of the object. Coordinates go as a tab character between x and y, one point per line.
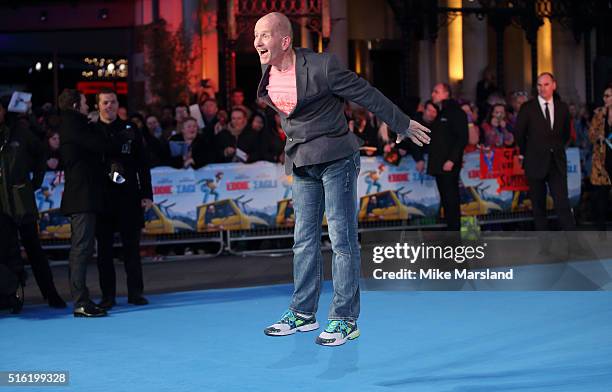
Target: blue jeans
329	187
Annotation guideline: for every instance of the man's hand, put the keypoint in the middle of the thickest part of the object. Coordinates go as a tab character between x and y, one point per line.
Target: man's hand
448	166
146	203
416	132
229	151
420	166
116	167
188	162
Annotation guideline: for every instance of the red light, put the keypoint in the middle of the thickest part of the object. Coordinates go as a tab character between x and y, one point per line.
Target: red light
93	87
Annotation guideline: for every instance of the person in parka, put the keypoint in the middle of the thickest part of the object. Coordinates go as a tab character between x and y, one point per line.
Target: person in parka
22	154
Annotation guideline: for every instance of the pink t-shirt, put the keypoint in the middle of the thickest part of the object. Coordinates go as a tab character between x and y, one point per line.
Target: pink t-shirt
282	89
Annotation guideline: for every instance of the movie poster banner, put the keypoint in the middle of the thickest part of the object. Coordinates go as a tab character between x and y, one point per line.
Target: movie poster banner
244	197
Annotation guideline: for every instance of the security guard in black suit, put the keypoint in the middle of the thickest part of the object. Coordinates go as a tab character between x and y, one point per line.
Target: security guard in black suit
127	191
449	136
542	130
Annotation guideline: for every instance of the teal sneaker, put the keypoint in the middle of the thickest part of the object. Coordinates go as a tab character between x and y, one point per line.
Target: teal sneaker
337	333
290	323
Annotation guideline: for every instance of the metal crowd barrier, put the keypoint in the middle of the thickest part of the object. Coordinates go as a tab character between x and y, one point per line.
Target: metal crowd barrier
240	242
246	236
424	223
157	240
237	239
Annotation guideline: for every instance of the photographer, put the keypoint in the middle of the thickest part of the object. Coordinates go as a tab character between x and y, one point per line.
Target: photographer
82	149
21	153
11	264
127	190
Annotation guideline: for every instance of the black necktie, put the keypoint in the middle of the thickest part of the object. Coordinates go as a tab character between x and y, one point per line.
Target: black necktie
547	114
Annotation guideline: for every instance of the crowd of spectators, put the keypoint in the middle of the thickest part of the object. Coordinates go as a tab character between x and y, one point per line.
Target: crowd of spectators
196	134
492	120
176	136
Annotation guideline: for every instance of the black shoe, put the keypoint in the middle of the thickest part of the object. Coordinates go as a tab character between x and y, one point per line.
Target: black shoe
16	300
15	304
107	303
139	300
89	309
55	301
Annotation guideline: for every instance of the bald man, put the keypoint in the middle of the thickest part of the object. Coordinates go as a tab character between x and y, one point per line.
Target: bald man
308	90
542	132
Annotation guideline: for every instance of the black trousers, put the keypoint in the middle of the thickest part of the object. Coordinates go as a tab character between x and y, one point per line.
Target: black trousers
106	227
28	232
601	195
82	238
557	182
448	186
10	254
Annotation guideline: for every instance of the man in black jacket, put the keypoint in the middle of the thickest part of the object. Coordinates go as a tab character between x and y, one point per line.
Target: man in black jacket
542	130
126	196
11	265
22	154
82	149
12	272
449	135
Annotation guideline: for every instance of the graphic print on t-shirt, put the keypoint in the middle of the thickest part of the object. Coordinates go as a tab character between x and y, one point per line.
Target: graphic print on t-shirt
282	89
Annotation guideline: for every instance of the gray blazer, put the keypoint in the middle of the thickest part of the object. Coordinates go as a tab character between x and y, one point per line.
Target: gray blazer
317	130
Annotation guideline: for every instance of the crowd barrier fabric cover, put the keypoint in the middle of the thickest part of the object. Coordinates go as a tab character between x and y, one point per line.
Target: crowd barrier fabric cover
245	197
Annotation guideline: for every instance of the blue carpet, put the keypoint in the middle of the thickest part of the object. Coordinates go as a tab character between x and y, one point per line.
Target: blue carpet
411	341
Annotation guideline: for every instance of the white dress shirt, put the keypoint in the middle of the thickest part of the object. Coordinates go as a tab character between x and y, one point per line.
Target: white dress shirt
551	109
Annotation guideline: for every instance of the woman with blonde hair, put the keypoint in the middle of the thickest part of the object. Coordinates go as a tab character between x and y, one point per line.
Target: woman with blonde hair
600	134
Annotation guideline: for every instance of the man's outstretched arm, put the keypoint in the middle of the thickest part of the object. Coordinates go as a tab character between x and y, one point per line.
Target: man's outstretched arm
349	85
